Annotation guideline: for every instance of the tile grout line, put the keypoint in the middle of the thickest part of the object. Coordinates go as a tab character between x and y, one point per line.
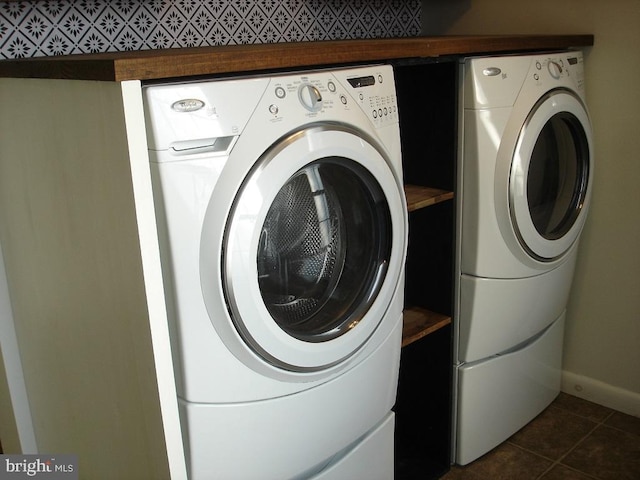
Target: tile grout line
558	461
619	429
575	445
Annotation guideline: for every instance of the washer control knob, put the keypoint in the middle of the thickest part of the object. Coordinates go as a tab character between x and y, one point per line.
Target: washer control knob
310	97
555	69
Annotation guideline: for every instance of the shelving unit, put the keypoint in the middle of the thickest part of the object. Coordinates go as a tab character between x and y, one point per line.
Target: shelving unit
418	321
427	101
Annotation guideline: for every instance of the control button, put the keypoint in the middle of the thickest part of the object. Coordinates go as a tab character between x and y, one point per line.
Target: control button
538	66
273	109
310	97
536	77
343	99
380	78
375	114
280	93
555	69
331	86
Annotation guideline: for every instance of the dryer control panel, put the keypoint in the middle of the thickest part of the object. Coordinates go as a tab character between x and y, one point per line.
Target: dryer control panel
498	81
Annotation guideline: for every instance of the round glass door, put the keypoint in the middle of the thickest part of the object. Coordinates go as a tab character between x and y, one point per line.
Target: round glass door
313	251
557	177
550	177
324	248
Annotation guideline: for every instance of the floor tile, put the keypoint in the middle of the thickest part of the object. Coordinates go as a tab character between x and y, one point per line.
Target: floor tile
561	472
608	454
582	408
553	433
505	462
624	422
588	442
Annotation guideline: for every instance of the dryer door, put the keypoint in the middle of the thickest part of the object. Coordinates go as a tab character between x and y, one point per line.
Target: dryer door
550	178
313	250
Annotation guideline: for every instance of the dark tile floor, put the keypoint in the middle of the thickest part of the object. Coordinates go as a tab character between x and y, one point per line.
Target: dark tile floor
573	439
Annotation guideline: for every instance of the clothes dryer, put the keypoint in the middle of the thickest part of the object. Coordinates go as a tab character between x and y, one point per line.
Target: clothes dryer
525	180
283	229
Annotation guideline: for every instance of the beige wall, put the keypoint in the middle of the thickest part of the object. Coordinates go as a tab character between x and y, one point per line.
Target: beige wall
602	346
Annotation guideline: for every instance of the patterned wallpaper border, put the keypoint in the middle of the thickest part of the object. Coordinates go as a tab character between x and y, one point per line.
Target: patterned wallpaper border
61	27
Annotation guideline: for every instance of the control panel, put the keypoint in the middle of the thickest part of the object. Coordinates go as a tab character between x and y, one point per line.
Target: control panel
188	118
493	82
556	68
328	94
374	91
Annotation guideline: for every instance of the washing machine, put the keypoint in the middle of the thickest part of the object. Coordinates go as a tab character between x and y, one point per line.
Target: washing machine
525	179
283	230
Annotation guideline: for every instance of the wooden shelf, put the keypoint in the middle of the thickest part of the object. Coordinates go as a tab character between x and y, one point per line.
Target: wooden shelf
174	63
420	197
420	322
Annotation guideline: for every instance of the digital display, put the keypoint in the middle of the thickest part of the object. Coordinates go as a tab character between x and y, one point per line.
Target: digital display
362	81
572	60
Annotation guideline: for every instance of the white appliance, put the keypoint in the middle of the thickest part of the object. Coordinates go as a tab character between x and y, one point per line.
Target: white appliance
524	183
283	228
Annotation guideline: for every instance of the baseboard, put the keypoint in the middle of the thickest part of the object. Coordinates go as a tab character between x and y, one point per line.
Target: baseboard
595	391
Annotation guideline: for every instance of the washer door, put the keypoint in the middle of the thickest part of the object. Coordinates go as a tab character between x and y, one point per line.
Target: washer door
550	178
313	250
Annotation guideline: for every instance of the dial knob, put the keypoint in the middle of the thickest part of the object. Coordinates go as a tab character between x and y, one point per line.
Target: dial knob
310	97
555	69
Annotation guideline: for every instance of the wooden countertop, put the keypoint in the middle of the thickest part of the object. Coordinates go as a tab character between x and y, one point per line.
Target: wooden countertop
171	63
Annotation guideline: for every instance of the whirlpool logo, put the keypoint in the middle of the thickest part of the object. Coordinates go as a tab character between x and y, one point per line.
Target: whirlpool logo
44	467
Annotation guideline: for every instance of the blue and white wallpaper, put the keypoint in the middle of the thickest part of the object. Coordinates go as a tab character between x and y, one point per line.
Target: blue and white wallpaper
62	27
